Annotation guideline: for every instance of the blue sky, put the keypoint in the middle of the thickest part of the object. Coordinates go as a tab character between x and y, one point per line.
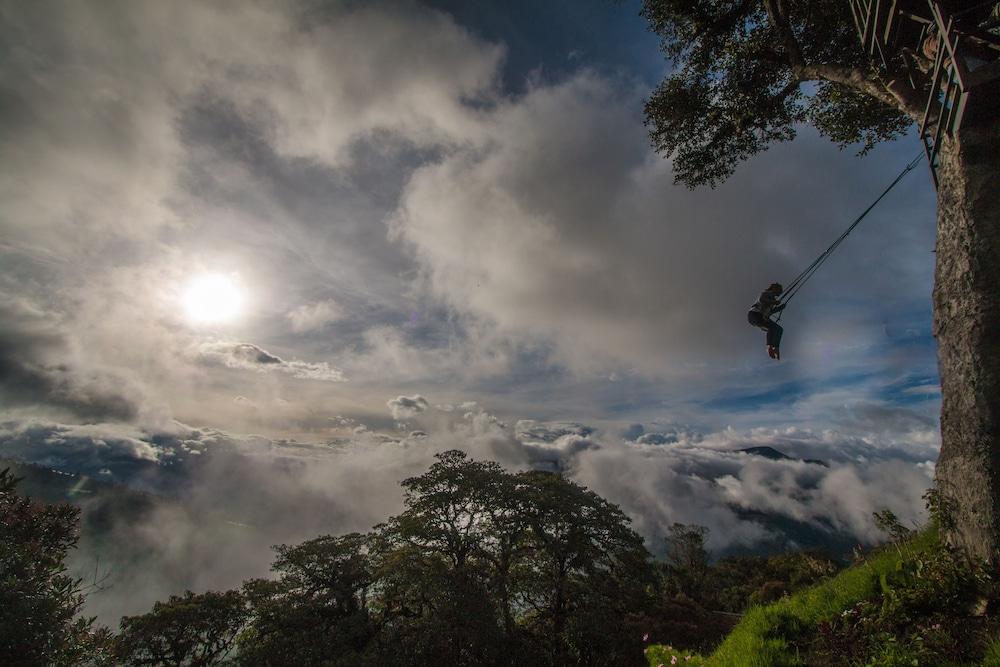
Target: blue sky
555	39
440	219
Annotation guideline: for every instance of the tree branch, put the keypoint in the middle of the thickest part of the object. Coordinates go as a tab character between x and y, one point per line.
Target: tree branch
780	22
790	88
895	93
909	100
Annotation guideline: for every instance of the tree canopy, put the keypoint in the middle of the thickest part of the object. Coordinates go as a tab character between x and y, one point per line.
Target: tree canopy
747	72
482	567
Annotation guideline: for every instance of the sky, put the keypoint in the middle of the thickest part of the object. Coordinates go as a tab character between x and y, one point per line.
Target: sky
277	254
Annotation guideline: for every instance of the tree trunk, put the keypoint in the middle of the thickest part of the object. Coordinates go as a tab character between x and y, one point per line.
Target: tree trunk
967	328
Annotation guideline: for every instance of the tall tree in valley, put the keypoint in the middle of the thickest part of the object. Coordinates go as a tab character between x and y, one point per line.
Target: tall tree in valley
316	611
587	571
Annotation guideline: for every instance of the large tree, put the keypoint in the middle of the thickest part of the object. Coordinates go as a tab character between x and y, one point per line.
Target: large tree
195	630
315	612
435	602
489	567
747	74
585	573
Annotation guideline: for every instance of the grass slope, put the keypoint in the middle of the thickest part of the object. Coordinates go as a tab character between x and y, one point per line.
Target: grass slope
761	639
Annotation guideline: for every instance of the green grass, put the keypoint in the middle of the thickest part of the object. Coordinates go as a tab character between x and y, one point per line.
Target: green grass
761	637
992	658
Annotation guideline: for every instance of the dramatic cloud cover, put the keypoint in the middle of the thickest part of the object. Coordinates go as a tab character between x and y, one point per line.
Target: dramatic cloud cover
443	235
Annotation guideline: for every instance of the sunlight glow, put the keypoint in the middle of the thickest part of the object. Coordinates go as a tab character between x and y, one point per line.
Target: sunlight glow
212	298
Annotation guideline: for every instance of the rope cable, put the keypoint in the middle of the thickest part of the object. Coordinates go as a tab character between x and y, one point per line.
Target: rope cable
801	279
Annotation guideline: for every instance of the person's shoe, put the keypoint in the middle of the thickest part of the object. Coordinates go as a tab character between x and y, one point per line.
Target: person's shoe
777	355
771	351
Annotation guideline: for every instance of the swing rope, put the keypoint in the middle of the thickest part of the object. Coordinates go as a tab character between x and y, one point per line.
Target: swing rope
803	278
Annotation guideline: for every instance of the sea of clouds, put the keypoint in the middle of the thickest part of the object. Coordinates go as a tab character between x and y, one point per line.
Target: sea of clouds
227	498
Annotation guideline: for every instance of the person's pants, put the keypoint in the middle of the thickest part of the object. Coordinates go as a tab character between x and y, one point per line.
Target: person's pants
772	328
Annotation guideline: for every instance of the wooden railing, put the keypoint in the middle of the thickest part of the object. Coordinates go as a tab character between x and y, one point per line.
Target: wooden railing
945	56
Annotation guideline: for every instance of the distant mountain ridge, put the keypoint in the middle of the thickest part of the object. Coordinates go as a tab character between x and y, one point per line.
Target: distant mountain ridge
775	455
54	486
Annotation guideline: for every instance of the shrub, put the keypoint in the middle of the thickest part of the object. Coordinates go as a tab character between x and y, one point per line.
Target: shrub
39	601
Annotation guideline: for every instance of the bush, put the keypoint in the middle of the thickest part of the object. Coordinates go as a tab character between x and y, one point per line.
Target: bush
930	608
666	655
915	603
39	602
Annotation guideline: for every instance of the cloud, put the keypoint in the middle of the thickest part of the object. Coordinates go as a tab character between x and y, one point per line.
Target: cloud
285	490
633	431
713	485
248	356
96	89
530	430
924	390
403	69
86	394
313	316
257	156
38	366
87	449
405	407
876	418
534	238
656	439
561	226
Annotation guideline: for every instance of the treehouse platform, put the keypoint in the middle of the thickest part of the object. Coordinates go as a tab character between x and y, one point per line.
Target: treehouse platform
948	51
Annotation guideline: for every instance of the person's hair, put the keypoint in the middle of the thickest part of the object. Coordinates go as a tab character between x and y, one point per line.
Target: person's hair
776	287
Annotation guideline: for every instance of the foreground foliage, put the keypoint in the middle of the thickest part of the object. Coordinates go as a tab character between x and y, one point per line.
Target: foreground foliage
911	603
39	602
487	567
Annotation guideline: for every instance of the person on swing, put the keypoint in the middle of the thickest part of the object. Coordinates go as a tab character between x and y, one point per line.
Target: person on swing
760	316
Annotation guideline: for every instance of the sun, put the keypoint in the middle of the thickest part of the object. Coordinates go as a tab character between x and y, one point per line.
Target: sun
212	298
